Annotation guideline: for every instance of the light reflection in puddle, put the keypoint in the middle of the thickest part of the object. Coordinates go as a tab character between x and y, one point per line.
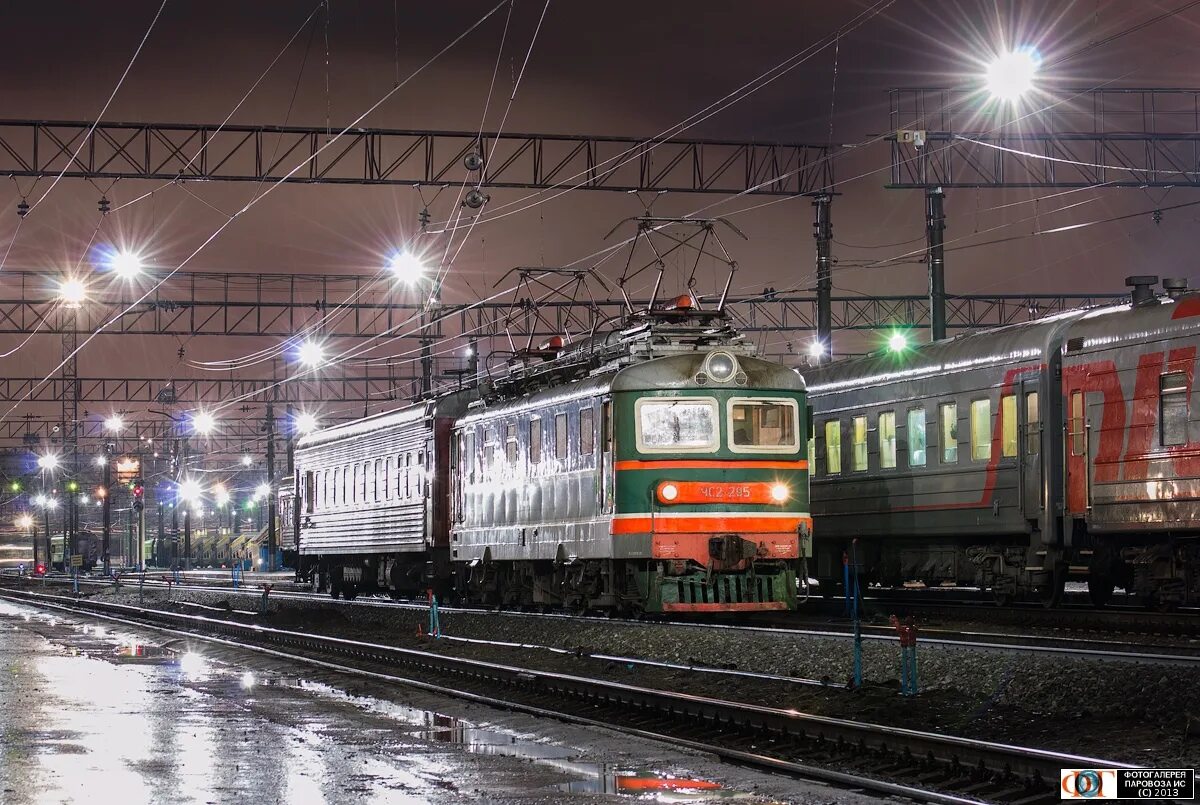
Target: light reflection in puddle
592	777
588	777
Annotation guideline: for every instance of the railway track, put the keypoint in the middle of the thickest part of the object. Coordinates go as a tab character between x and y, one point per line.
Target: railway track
888	761
1071	646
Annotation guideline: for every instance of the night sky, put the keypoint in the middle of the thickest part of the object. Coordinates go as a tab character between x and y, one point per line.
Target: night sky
616	68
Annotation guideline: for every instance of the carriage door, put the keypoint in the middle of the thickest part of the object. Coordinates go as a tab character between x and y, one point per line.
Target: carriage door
1029	415
1078	494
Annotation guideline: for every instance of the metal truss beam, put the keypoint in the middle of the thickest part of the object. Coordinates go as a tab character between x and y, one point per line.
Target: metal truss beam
166	151
148	436
1112	137
330	386
280	305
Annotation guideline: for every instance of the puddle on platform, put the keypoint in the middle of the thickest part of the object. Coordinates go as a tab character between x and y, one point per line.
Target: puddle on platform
589	777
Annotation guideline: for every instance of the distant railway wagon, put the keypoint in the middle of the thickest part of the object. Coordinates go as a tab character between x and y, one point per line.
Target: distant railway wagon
664	475
1015	458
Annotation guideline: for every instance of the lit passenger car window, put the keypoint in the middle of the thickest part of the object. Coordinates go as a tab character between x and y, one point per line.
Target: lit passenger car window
833	446
887	440
858	444
981	430
916	437
1008	425
1033	429
948	414
763	425
672	425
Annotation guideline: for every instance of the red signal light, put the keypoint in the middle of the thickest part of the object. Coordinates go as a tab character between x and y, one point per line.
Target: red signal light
39	570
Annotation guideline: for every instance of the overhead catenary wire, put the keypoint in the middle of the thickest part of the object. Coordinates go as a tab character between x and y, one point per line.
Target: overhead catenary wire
249	205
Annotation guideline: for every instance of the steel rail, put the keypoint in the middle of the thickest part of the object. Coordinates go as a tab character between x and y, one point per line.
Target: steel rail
1033	766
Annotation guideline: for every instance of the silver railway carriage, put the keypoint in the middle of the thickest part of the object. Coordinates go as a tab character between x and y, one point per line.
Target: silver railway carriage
372	511
1014	458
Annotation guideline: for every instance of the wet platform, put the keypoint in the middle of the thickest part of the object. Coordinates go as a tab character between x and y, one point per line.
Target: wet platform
92	715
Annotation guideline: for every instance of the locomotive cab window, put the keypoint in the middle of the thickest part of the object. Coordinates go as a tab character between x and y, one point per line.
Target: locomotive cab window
948	415
1173	408
916	437
310	492
833	447
981	430
887	440
763	425
858	433
676	424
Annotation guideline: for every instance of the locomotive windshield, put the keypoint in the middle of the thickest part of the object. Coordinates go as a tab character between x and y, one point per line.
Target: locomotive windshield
688	424
763	425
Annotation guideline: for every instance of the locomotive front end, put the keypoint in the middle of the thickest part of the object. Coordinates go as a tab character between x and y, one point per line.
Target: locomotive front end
712	481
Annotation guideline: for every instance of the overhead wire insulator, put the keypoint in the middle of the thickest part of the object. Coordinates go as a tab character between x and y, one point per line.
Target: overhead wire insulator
103	205
423	218
475	199
22	208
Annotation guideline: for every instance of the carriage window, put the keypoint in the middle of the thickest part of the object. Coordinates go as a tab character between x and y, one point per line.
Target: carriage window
858	443
1173	408
1032	428
357	471
326	489
510	443
981	430
682	424
377	479
948	413
1008	425
535	441
467	459
833	447
1078	437
587	432
337	480
489	447
916	437
310	492
421	480
763	425
887	440
387	478
408	484
560	435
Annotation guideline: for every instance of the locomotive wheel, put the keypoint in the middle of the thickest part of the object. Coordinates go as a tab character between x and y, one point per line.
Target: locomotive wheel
350	591
1100	590
1001	599
335	589
1052	593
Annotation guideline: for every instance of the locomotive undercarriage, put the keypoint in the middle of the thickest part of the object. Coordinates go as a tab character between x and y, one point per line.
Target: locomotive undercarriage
630	587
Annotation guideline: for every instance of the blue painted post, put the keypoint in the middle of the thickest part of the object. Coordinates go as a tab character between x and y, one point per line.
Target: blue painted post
435	628
855	610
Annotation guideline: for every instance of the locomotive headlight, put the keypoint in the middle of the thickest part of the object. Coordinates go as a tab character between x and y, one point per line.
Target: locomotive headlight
779	492
720	367
668	492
